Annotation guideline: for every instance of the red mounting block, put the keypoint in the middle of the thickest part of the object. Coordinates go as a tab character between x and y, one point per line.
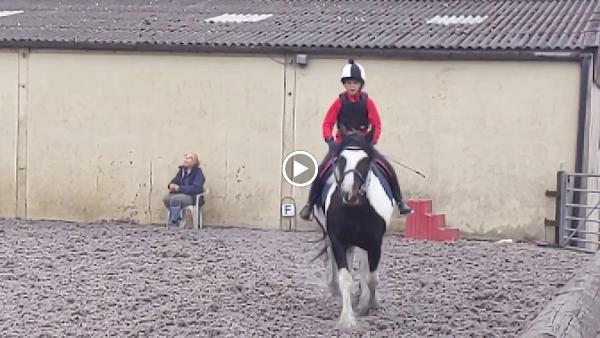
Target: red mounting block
425	225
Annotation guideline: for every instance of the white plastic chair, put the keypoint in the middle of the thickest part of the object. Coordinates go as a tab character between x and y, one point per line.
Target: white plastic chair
195	210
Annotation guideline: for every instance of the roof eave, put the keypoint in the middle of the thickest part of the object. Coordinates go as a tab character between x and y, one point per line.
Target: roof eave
407	53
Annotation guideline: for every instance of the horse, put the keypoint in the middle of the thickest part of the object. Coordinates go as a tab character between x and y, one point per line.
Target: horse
353	213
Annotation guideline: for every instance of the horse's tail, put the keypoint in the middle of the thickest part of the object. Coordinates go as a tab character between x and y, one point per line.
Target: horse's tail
324	249
321	253
322	230
317	240
324	235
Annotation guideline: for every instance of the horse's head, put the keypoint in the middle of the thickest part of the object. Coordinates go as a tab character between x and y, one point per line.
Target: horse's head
353	164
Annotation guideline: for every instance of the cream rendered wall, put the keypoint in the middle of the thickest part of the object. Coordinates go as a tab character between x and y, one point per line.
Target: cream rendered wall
9	68
489	136
107	131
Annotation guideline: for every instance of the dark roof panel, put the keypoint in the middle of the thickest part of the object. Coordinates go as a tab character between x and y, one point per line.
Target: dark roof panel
407	24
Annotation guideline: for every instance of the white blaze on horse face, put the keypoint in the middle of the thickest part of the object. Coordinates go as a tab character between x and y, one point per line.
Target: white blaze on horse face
352	158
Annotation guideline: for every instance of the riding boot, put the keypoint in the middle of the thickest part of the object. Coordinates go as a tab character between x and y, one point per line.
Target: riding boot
306	211
315	188
404	208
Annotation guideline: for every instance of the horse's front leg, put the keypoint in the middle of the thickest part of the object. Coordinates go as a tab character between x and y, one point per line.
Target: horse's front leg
347	319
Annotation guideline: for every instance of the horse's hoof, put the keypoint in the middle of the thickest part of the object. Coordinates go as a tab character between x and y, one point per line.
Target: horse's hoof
363	306
346	324
363	311
374	303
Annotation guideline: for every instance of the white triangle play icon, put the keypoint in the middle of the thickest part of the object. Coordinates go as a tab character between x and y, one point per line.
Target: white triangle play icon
302	171
298	169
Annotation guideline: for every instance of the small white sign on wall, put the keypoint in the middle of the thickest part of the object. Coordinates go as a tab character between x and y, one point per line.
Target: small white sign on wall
288	210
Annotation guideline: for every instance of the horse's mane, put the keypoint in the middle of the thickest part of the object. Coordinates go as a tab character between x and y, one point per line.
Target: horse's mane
356	141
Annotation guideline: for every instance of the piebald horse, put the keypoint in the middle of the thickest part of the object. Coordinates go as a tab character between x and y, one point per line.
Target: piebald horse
354	212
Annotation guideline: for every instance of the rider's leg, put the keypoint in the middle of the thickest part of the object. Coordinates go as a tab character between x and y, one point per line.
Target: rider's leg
404	208
315	188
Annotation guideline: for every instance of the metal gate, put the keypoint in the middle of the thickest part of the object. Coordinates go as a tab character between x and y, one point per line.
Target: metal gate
578	210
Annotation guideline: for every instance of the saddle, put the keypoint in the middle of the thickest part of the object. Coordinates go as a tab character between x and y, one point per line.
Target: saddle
378	167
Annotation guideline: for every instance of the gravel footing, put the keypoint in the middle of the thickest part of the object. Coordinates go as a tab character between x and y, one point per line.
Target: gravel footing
63	279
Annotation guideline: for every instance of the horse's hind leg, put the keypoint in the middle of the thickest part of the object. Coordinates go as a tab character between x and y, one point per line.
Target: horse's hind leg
332	273
352	253
373	281
363	270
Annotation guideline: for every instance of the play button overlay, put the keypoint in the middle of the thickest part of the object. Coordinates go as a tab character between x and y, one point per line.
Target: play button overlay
300	168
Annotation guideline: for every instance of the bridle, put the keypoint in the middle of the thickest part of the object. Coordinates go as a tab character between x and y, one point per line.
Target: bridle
362	190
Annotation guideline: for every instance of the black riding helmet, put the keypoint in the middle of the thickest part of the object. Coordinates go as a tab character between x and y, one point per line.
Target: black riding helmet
353	71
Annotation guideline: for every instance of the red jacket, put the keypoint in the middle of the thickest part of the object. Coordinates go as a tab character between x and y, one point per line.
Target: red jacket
334	111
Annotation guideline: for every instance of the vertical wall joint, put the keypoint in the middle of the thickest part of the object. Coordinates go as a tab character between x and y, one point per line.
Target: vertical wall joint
23	88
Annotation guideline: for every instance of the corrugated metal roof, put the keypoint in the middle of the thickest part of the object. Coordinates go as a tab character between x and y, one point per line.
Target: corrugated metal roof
507	24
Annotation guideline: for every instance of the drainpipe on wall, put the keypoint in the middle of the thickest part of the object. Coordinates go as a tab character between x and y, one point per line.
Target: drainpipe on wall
581	156
583	116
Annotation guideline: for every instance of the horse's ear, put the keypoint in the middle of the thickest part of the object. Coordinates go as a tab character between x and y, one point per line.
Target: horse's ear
371	134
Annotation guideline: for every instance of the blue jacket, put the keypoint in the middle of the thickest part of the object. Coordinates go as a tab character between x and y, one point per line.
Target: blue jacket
190	184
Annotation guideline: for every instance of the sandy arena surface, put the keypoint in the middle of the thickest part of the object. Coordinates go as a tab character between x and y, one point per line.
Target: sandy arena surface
64	279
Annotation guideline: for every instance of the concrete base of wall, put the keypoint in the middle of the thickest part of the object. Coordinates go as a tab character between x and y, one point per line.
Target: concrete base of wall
575	311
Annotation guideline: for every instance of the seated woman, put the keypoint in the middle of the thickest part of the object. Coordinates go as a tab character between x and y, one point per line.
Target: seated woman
184	187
